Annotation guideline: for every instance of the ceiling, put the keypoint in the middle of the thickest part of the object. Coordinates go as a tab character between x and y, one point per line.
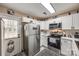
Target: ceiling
37	9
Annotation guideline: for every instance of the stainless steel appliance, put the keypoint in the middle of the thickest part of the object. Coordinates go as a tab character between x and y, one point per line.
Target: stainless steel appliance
54	38
31	40
76	35
54	41
55	25
10	35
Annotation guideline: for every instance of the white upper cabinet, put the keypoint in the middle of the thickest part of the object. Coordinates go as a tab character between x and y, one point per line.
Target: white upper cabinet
67	22
42	24
76	21
34	21
70	21
58	20
46	25
25	19
38	22
50	21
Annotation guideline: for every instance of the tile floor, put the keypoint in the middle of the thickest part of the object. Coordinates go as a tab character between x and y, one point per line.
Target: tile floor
43	52
47	52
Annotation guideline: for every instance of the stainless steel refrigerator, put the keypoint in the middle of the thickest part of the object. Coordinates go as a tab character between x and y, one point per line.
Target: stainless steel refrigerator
31	41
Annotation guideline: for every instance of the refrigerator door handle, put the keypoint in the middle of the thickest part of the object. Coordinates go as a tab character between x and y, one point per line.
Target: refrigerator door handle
18	35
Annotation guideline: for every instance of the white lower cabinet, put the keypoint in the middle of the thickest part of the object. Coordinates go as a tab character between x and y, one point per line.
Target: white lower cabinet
43	40
66	47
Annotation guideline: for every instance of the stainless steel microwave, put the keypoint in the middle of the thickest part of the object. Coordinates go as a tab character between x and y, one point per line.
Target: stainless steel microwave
55	25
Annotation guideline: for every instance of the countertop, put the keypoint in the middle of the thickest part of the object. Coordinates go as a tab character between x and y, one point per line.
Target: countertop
68	38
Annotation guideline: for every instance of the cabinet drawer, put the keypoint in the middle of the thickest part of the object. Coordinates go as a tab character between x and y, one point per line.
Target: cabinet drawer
65	41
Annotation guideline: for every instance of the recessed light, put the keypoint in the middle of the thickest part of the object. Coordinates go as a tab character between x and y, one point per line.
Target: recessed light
44	13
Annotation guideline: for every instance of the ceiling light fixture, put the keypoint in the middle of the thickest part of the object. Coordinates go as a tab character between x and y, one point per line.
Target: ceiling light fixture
48	6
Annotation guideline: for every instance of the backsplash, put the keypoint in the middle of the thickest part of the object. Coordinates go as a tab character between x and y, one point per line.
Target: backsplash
70	32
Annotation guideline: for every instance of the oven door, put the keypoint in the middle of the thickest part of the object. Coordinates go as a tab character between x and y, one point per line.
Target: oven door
54	42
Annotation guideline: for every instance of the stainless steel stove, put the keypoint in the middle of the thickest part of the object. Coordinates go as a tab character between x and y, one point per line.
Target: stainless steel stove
54	41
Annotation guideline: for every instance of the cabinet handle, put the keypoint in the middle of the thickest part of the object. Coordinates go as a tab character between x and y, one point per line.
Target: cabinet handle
18	35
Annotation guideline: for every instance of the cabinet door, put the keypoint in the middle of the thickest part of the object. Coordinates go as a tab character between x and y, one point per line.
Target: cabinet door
38	22
67	22
46	25
76	21
43	40
25	19
66	47
34	21
58	20
42	24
